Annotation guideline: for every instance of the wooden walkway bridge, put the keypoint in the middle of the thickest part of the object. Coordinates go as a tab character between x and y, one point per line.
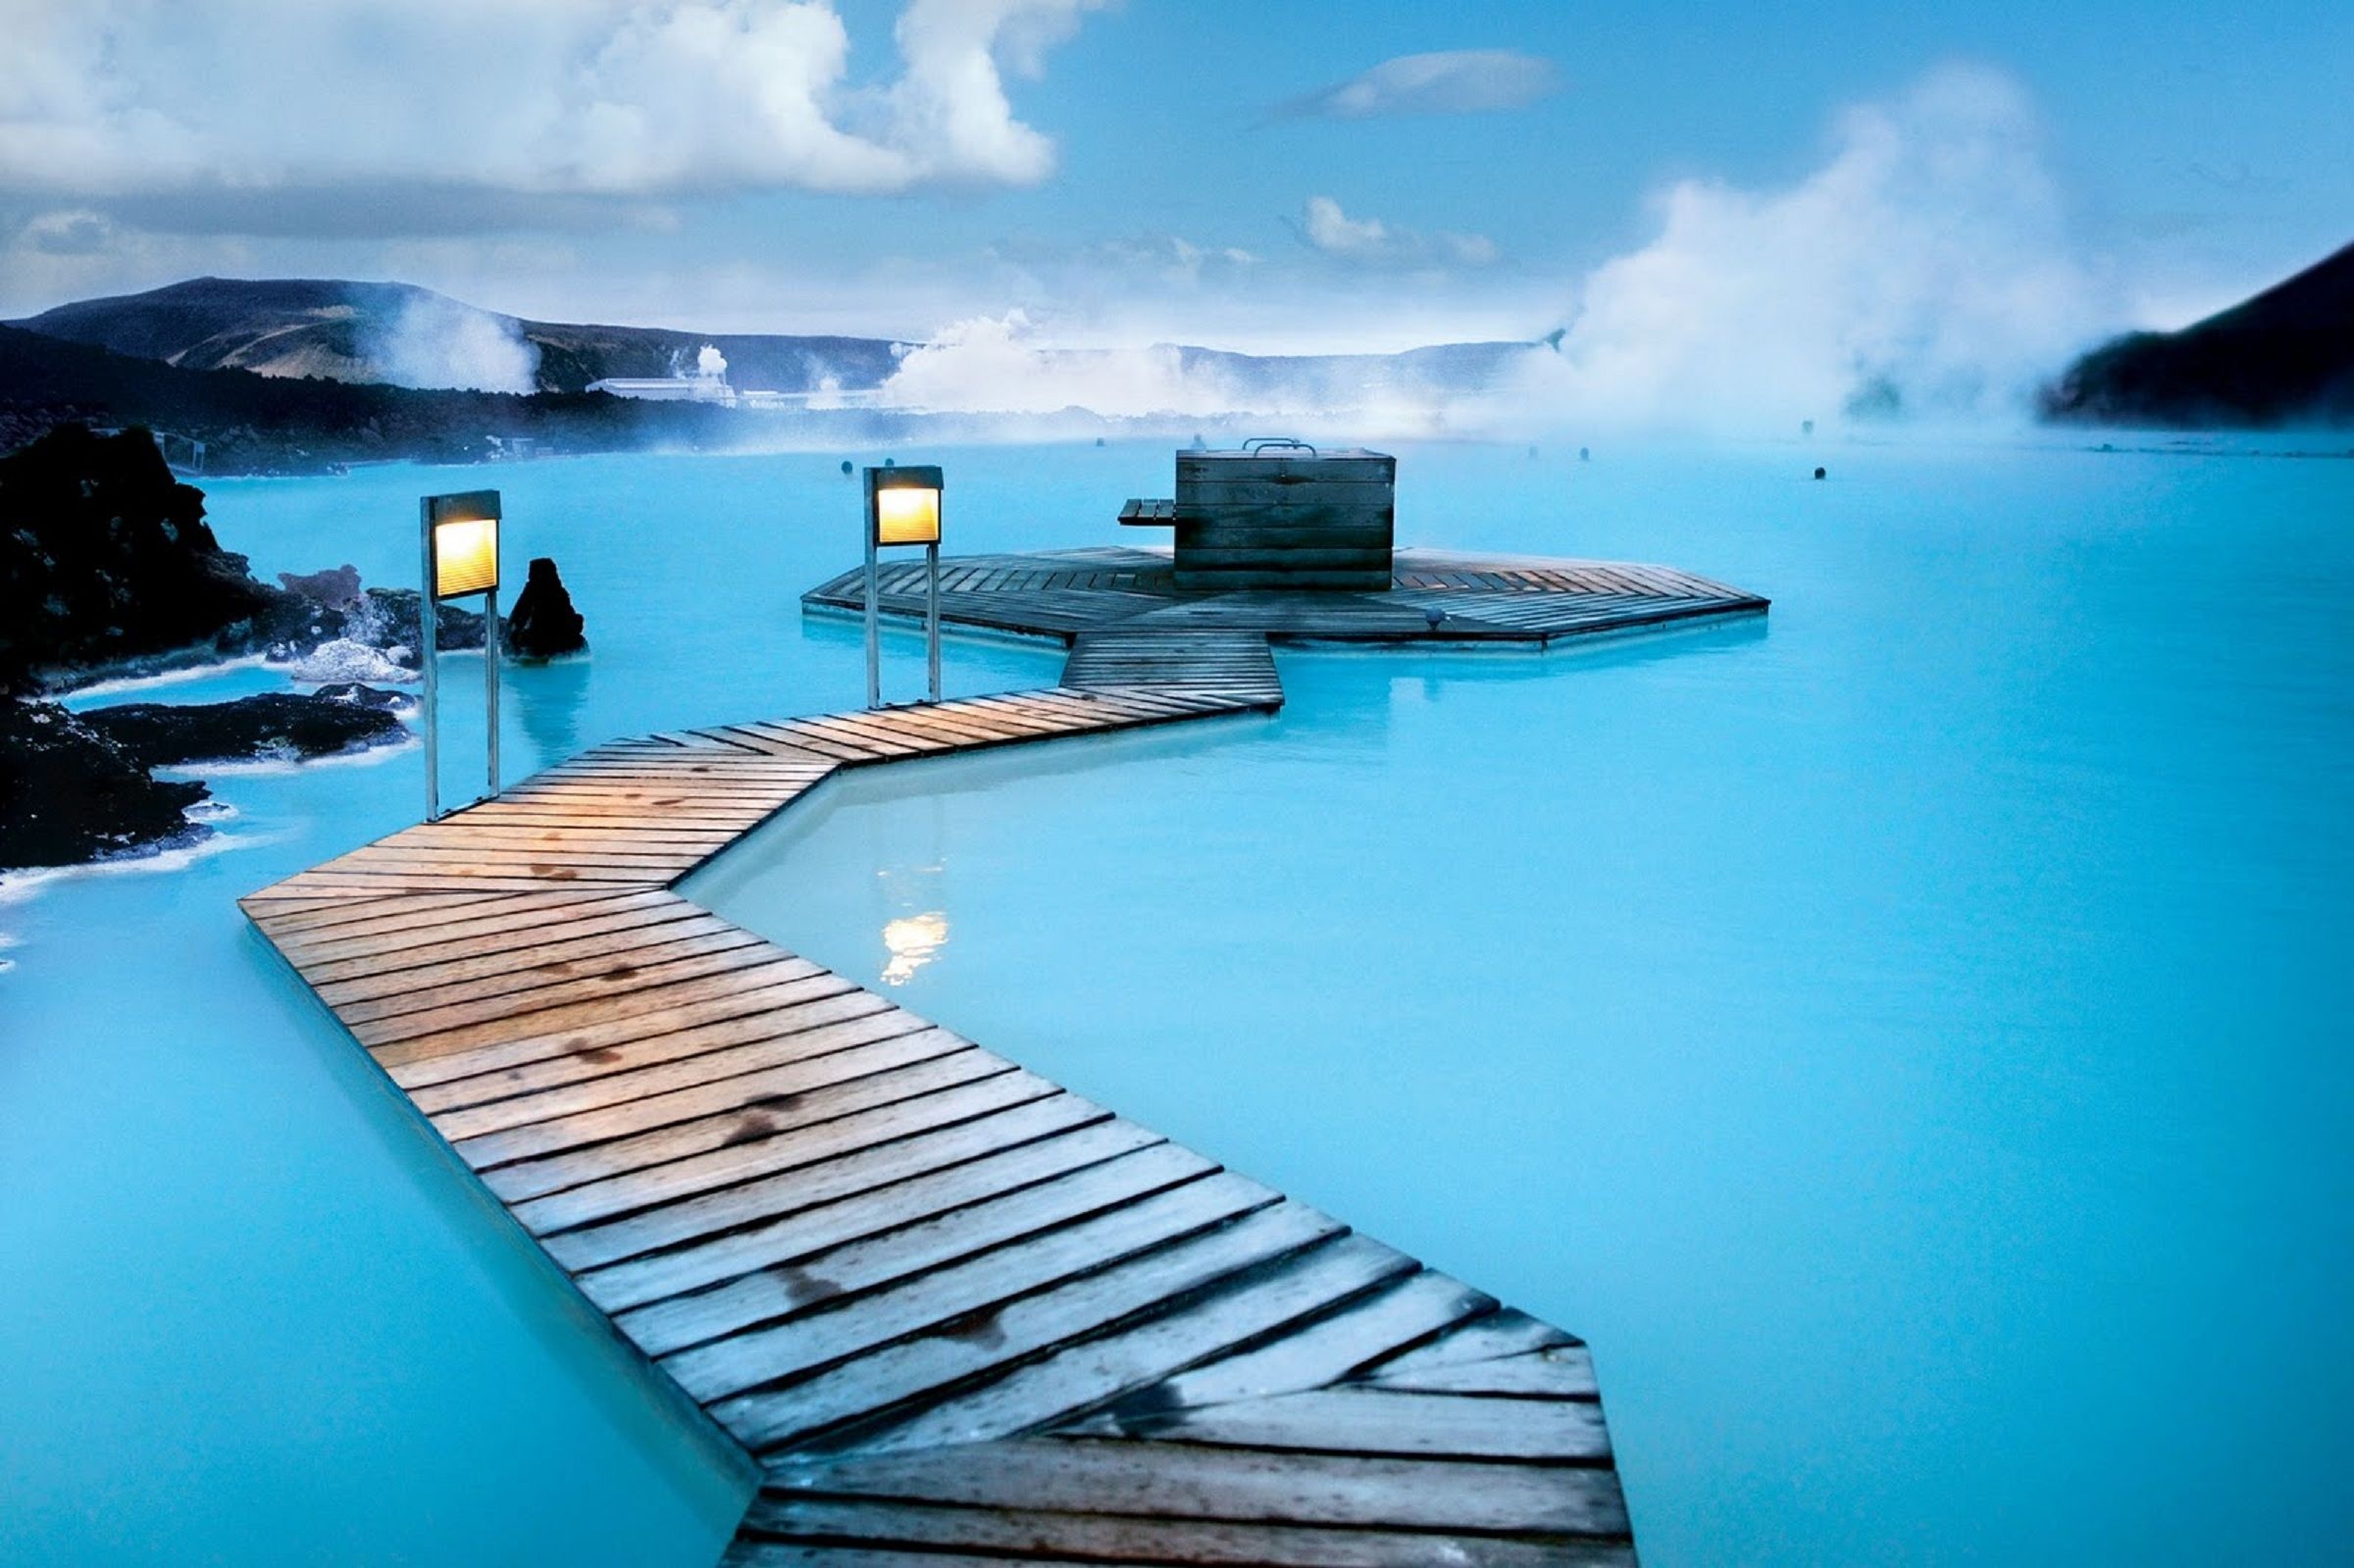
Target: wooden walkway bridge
953	1313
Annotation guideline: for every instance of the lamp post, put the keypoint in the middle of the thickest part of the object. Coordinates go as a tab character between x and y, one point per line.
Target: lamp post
902	507
461	559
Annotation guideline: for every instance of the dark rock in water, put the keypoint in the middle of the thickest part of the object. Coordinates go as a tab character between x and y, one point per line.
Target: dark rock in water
105	559
336	588
391	620
276	726
70	794
544	623
357	695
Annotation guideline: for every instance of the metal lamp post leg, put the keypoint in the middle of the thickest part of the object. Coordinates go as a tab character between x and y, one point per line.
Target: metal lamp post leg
932	613
873	632
491	679
427	641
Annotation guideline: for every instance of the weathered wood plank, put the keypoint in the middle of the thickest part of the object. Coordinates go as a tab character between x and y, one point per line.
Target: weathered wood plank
1086	1375
771	1294
1413	1425
1563	1372
1175	1480
921	1535
842	1172
790	1234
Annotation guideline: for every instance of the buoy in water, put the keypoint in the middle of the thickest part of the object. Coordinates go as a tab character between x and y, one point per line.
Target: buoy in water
1821	473
845	464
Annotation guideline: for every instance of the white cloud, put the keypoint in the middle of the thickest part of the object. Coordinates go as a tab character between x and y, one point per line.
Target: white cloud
114	98
1333	232
1454	81
1927	262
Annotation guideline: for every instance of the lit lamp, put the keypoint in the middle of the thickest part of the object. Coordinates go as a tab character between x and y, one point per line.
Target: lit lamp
461	559
902	507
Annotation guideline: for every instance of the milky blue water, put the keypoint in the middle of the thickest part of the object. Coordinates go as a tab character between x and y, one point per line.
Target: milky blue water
1907	1036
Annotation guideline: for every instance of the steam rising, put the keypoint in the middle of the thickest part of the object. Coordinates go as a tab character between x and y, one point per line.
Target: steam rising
1924	269
990	365
440	342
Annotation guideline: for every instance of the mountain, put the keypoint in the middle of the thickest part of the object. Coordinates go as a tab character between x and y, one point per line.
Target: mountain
400	334
2283	357
274	423
403	335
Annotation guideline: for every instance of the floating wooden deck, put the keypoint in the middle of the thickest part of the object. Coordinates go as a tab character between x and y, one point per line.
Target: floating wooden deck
1436	596
954	1313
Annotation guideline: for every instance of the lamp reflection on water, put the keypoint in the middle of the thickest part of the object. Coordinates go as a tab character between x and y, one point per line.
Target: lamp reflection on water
913	940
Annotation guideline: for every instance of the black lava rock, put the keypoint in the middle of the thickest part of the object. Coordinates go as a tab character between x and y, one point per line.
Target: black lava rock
277	725
105	559
544	623
391	619
366	696
70	794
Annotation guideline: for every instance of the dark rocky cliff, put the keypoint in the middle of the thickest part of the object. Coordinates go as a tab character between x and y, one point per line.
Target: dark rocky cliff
2283	357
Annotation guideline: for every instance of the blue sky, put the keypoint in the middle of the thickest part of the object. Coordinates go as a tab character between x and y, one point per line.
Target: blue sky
1163	170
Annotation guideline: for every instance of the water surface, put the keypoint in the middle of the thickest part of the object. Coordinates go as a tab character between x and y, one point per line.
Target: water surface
1905	1035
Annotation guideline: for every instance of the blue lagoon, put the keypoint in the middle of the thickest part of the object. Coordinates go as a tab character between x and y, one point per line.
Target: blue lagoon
1904	1036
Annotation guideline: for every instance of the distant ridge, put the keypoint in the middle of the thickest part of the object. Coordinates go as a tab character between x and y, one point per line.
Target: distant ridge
404	336
2283	357
401	335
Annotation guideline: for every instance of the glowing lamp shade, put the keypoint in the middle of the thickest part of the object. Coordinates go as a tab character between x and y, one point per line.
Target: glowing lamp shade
907	516
903	505
465	536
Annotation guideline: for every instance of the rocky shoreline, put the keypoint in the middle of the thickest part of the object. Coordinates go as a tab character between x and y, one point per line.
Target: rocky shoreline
109	570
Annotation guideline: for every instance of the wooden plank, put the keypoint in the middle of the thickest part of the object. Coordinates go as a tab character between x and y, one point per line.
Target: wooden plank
845	1022
822	1000
569	1191
1088	1373
844	1173
511	970
456	1016
1175	1480
1563	1372
824	1278
1501	1334
330	957
605	1040
858	1531
1323	1352
1411	1425
791	1233
769	1099
951	1326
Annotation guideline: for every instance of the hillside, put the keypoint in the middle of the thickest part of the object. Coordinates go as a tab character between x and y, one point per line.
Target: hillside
261	423
403	335
400	334
2283	357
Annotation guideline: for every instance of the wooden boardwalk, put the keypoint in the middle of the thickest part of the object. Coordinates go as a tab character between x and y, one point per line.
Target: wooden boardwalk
954	1313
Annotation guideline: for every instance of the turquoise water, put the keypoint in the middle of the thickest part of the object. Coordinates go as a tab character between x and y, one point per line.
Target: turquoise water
1906	1035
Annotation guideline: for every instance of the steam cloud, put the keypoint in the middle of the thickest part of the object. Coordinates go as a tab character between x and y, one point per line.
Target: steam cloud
440	342
1924	269
991	365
